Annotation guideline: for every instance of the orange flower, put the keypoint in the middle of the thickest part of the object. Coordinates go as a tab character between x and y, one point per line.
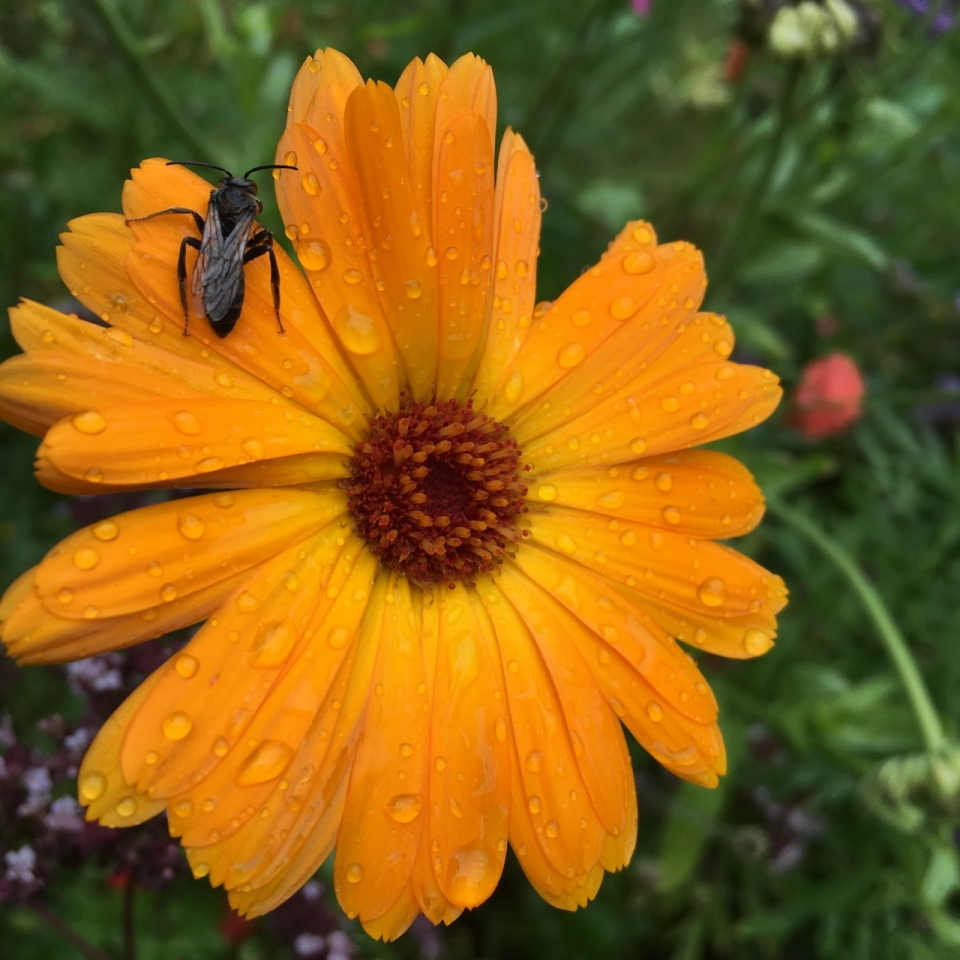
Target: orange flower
457	534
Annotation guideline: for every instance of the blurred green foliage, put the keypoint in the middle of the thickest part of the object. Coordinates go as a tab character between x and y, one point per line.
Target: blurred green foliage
825	194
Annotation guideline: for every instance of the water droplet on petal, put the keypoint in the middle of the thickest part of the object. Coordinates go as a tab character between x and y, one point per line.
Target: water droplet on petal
756	642
642	235
177	726
186	665
404	807
168	593
455	808
513	387
612	500
191	526
513	666
311	184
500	729
253	448
655	712
552	829
723	347
534	761
92	786
106	531
548	492
566	543
313	254
86	558
699	421
352	277
638	445
581	318
712	592
414	289
89	422
570	355
726	372
221	747
200	870
664	482
639	261
266	762
671	404
247	602
187	423
623	308
209	464
628	538
533	804
406	750
183	808
357	332
127	807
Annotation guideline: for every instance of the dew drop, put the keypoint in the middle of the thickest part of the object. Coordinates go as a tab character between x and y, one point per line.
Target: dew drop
186	665
440	764
168	593
253	448
90	612
65	595
455	808
756	642
655	712
406	750
642	235
712	592
500	729
513	387
623	308
127	807
534	761
313	254
311	184
612	500
86	558
431	257
200	870
552	829
723	347
266	763
566	543
352	277
89	422
108	530
671	404
513	666
187	423
92	786
581	318
726	372
570	355
191	526
404	807
548	492
224	499
639	261
177	725
628	538
357	331
414	289
699	421
533	804
221	747
183	808
638	445
290	159
209	464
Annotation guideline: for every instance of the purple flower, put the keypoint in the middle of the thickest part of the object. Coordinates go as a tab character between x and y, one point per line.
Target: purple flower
944	15
641	7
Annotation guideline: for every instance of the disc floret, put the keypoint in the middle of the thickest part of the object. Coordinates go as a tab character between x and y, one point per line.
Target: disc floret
436	490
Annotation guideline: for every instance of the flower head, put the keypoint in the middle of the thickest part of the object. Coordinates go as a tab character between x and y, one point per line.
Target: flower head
828	399
453	535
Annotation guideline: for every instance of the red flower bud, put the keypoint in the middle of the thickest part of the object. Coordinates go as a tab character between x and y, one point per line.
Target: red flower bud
827	401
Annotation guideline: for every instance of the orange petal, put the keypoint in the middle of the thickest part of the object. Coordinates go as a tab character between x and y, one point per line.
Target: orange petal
433	904
274	854
321	207
33	634
702	493
463	233
404	260
200	712
550	784
164	442
695	575
598	742
467	87
469	793
305	363
603	312
689	749
517	230
602	609
140	560
417	92
101	788
396	921
383	821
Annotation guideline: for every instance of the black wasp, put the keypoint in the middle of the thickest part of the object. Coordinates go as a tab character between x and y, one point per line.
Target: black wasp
227	243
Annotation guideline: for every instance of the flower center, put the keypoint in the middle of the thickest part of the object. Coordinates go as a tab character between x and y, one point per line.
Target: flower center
435	489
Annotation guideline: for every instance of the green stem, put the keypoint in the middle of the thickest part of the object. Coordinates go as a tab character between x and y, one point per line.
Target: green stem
926	713
746	218
67	932
161	98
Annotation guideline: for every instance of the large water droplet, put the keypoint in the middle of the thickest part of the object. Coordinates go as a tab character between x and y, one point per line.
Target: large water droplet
712	592
313	254
191	526
552	829
92	786
655	712
756	642
639	261
671	404
566	543
177	725
200	870
267	762
272	645
209	464
638	445
106	531
533	804
513	387
186	665
623	308
89	422
581	318
338	637
168	593
127	807
404	807
86	558
186	423
664	482
570	355
699	421
311	184
547	491
414	289
468	874
357	332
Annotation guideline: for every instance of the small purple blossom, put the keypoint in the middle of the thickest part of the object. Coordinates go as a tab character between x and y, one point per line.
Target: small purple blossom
944	12
64	814
20	864
309	945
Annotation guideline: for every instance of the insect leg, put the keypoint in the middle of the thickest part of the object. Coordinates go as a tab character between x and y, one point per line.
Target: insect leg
197	219
182	276
260	244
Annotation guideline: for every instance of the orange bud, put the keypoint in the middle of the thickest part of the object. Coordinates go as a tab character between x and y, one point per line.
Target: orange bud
827	401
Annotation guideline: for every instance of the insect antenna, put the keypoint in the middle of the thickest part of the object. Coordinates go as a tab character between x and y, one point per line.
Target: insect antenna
270	166
197	163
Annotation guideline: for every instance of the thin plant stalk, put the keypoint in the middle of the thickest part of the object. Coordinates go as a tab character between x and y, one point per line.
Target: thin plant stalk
926	713
67	932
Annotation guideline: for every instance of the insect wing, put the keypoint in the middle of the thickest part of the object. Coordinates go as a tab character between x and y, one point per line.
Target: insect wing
218	280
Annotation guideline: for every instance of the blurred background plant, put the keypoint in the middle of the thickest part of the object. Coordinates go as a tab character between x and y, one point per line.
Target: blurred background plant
812	151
